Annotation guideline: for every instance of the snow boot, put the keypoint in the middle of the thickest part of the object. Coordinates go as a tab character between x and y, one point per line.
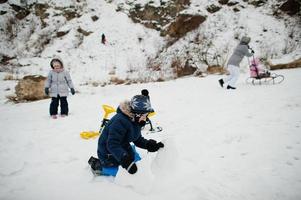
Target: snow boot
221	82
230	87
95	165
53	116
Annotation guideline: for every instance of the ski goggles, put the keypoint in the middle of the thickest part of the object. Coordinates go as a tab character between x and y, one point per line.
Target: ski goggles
137	115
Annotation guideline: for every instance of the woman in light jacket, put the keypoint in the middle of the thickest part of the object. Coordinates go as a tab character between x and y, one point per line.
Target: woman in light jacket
57	87
239	53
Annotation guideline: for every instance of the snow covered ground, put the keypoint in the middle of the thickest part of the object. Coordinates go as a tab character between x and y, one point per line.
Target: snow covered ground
219	144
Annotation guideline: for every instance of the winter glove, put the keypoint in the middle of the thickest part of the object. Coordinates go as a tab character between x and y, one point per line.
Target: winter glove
128	163
153	146
47	91
72	91
252	51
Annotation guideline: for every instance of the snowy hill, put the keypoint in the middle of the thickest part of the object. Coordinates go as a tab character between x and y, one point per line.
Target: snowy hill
34	31
219	144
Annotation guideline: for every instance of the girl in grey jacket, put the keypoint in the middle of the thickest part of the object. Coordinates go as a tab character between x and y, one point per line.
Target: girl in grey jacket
239	53
57	87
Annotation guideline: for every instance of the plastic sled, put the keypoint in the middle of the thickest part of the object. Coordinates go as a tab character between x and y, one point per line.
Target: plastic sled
89	134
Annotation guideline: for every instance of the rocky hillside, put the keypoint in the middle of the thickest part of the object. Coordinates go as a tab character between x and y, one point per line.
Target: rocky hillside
148	40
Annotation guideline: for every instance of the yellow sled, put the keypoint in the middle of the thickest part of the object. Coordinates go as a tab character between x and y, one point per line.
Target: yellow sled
108	110
89	134
93	134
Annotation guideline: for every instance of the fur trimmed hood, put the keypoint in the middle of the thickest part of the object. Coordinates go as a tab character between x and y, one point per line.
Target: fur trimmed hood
126	109
56	59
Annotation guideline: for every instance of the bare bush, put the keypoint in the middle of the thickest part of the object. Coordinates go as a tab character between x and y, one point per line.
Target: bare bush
8	77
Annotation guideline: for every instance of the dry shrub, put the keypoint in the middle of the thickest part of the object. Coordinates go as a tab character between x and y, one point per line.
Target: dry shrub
294	64
160	79
8	77
155	67
117	81
30	88
216	69
181	70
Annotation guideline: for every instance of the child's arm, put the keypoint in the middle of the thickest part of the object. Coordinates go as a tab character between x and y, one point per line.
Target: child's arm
69	80
48	80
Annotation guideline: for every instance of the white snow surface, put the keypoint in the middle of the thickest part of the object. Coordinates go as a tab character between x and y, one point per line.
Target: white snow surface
219	144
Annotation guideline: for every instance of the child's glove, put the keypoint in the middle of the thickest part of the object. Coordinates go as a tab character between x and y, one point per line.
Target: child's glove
128	163
252	51
47	91
153	146
72	91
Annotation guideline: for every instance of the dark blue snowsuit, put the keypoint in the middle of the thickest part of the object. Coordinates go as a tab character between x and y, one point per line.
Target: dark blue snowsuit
114	142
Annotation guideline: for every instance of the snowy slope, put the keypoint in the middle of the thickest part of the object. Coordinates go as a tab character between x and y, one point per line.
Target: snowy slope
219	144
130	46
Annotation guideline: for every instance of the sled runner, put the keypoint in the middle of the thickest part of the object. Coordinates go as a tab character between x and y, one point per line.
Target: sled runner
154	130
273	78
260	76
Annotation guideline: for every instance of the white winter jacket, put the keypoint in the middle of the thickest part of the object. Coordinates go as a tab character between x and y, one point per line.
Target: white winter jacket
58	83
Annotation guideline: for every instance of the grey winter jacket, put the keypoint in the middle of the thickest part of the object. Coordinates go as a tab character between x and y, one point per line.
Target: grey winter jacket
239	52
58	83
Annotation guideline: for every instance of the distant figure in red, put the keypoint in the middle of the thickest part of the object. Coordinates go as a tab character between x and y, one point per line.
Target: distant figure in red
103	39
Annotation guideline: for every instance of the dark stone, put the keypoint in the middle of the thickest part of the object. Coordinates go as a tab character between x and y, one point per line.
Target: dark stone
16	7
157	17
290	7
82	31
183	24
21	12
258	3
232	3
5	59
70	14
2	12
235	9
223	2
61	33
94	18
213	8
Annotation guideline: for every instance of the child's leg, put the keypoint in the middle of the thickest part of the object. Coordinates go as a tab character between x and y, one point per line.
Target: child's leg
64	106
53	106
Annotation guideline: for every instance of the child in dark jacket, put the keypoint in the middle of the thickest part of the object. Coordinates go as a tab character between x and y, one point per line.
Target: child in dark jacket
114	146
57	87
